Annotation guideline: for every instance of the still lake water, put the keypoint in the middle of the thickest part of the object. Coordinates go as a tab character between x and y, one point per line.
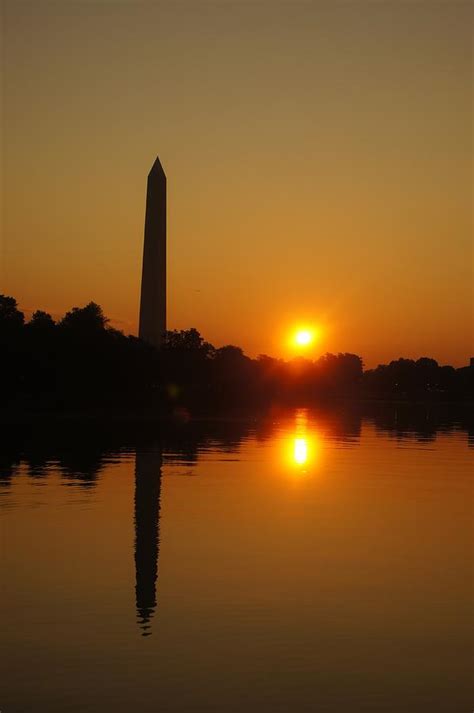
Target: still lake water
307	561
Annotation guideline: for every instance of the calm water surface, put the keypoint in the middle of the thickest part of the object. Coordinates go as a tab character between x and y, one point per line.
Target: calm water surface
303	562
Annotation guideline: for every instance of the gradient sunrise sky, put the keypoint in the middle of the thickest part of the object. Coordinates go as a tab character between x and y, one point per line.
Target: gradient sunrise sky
318	155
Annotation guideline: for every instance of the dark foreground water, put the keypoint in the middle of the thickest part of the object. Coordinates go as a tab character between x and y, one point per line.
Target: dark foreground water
304	562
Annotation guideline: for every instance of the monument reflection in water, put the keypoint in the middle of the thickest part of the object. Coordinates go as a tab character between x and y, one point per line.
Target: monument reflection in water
147	515
303	451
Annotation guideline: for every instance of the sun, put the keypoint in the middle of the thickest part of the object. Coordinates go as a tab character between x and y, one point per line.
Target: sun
304	337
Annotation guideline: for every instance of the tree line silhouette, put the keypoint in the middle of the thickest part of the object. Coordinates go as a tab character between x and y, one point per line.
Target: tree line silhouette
80	361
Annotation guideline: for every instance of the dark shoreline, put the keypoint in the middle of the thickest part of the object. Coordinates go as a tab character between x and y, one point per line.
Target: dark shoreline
11	417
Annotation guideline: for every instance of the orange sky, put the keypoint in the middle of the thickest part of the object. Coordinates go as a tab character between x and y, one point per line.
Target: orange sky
318	159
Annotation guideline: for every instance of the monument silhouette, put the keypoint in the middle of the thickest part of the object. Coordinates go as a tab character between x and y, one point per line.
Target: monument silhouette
152	323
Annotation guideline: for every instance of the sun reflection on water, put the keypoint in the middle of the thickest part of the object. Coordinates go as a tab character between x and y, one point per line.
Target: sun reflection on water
302	445
300	453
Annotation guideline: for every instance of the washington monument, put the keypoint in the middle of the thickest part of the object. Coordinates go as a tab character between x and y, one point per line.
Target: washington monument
152	324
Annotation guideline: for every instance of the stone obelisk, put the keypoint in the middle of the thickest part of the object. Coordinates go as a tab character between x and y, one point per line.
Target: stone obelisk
152	324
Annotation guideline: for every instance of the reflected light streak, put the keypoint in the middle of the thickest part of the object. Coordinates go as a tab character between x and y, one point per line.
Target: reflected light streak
300	452
302	447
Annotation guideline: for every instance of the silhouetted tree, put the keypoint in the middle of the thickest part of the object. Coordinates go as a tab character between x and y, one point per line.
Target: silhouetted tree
13	354
187	340
11	319
234	374
85	320
42	321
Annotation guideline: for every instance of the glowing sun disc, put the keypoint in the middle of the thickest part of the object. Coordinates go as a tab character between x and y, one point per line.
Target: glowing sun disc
303	337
